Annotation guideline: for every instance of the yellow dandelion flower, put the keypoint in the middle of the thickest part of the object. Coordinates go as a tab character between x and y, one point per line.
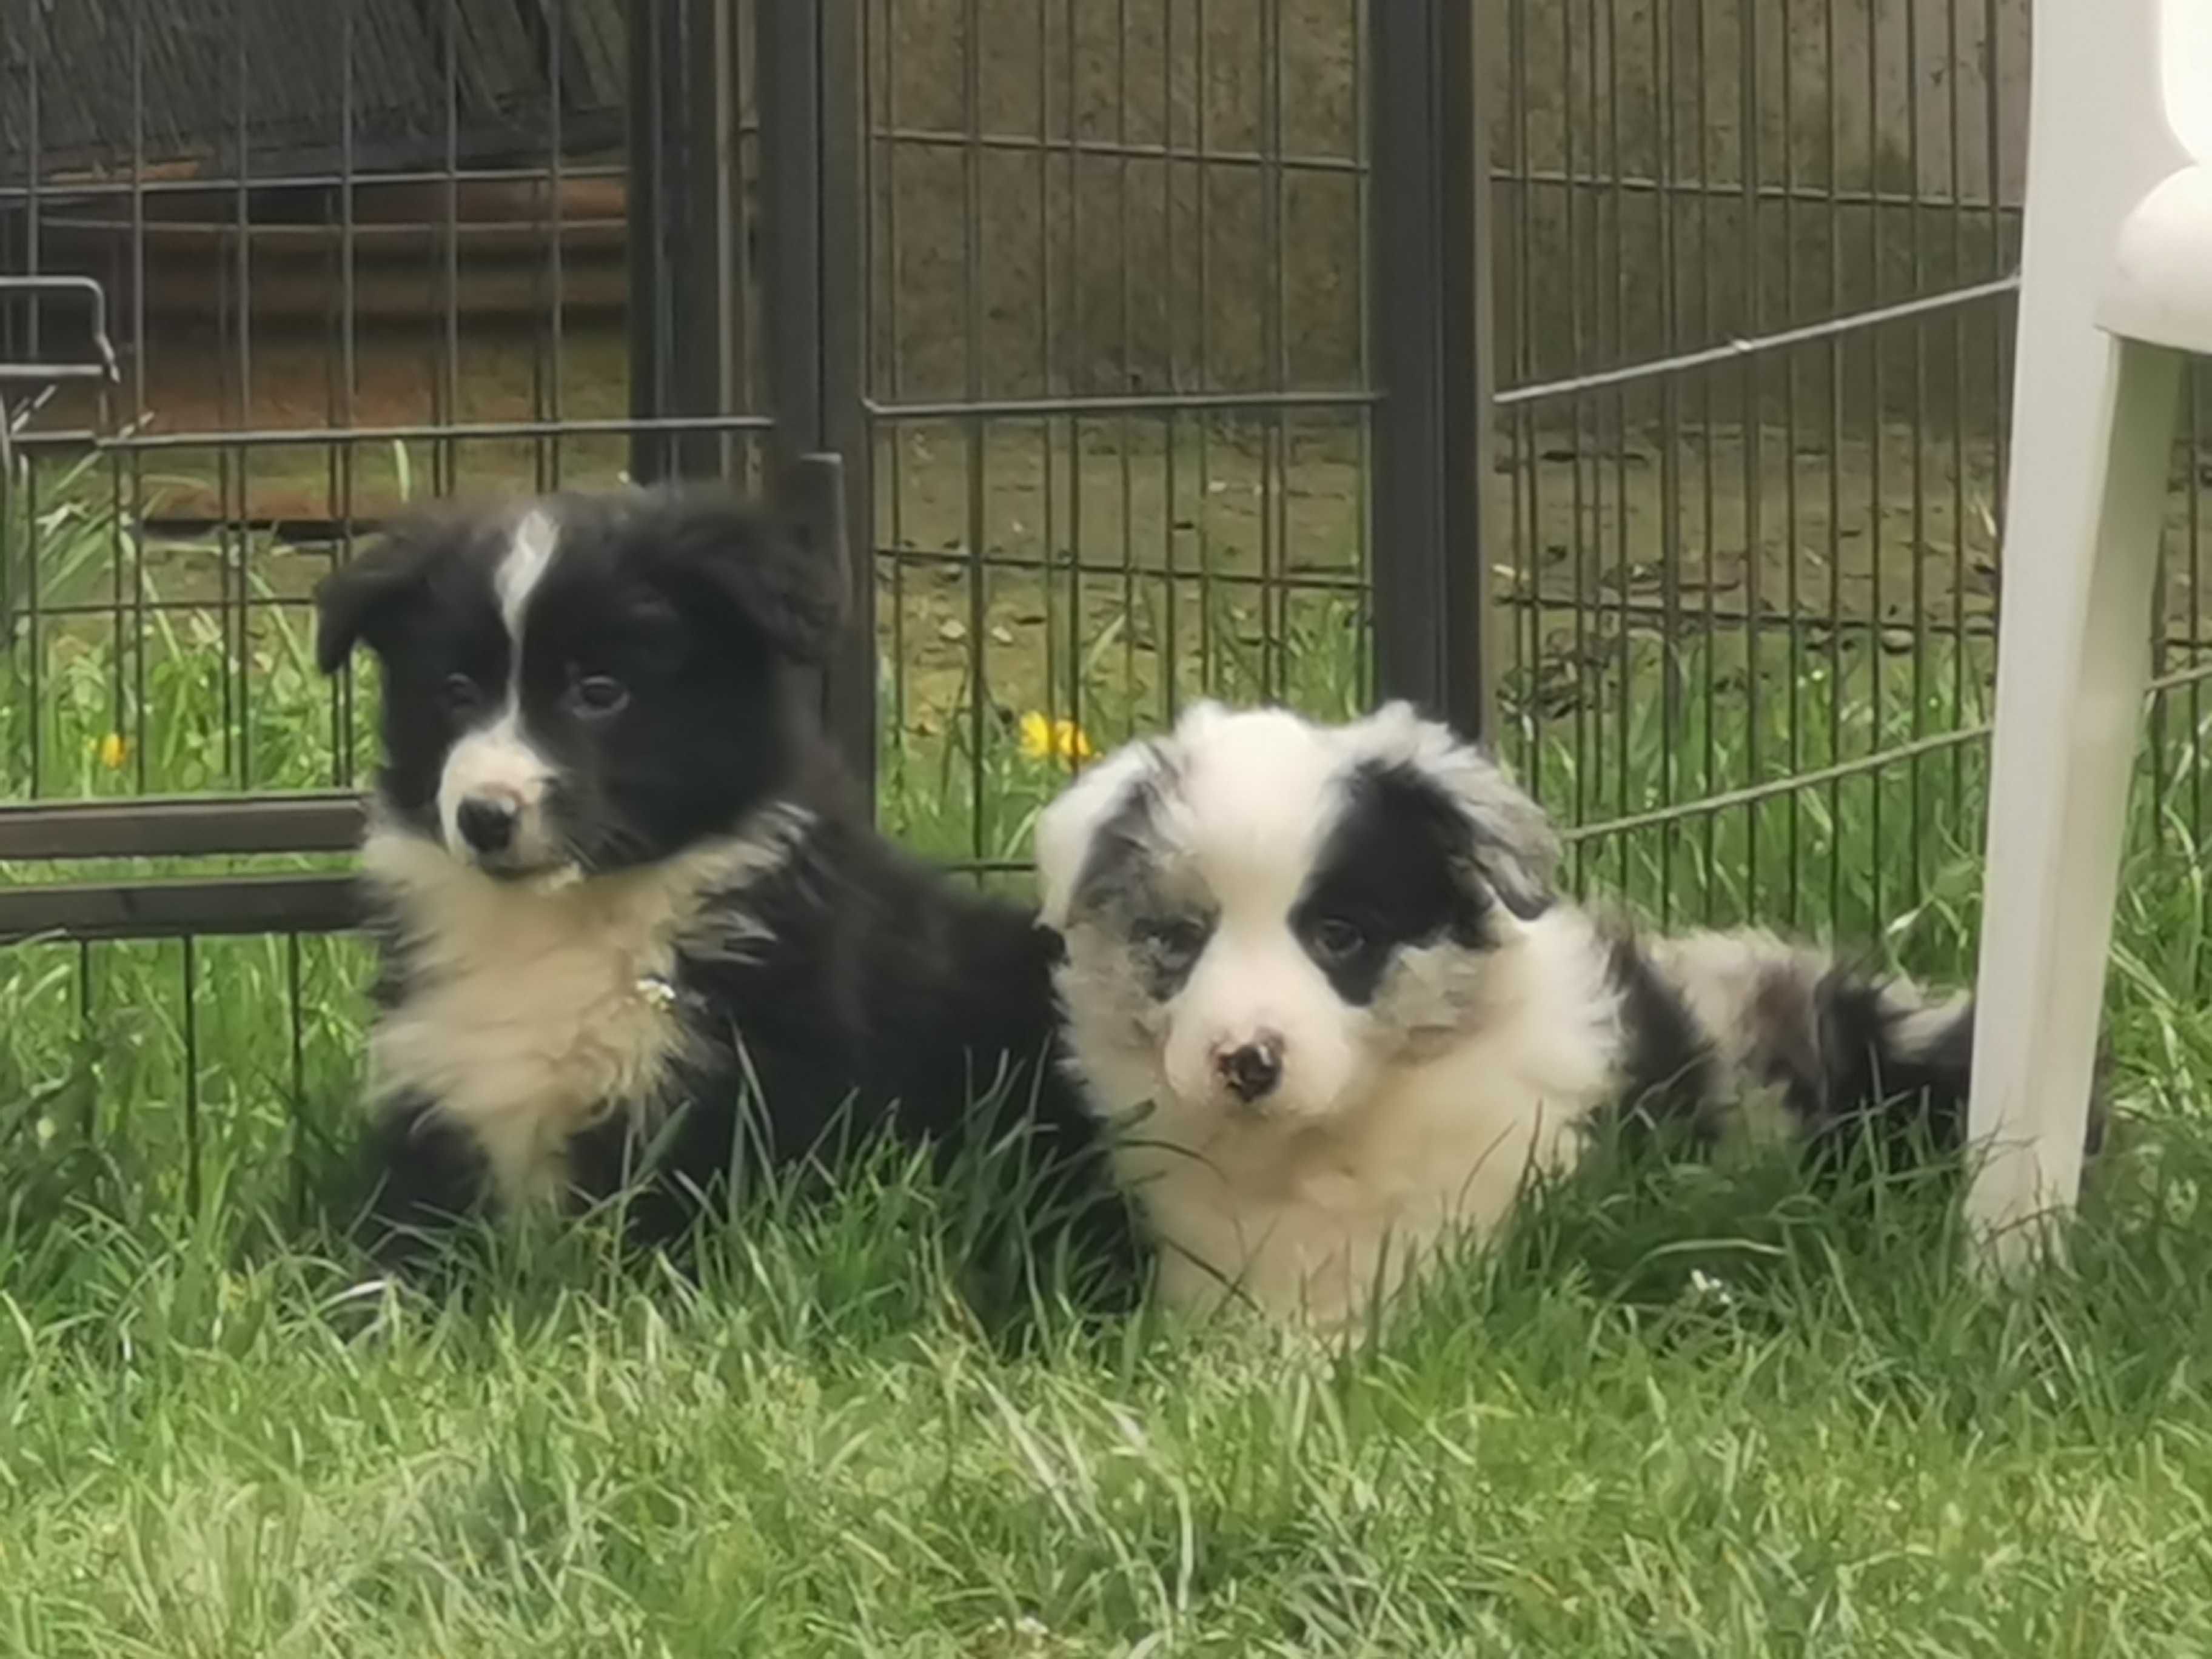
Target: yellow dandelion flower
112	751
1046	739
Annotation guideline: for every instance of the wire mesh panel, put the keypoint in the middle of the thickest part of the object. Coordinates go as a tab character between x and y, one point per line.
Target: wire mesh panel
1754	265
1117	381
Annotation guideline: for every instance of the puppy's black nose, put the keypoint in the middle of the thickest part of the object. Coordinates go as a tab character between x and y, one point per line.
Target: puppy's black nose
486	824
1252	1069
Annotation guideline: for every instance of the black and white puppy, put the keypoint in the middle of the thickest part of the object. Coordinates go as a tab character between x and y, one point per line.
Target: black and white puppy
625	899
1321	986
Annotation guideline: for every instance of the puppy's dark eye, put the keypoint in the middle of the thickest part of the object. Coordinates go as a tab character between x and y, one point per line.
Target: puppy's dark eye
1177	939
460	694
1334	938
598	694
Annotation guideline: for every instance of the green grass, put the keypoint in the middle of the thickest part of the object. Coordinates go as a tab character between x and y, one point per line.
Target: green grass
1681	1411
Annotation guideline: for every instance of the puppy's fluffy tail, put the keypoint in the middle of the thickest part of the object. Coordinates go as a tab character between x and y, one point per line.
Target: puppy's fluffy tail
1856	1060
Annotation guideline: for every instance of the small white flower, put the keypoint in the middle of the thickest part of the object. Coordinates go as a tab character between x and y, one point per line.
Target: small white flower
1706	1288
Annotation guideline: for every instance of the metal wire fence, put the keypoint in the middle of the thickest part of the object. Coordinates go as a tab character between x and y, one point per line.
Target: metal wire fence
1754	267
1080	297
1156	342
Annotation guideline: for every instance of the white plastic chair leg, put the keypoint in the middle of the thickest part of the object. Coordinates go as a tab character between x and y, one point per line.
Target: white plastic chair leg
2086	511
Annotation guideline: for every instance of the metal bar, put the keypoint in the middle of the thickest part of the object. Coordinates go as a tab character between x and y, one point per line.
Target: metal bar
1151	403
1362	279
1791	507
655	65
1431	353
1858	766
1063	637
704	293
323	822
1613	263
1275	470
1915	224
1877	671
1671	688
1704	201
133	467
344	459
1072	374
1469	40
886	259
447	389
1856	322
1565	180
1587	716
791	276
1754	484
812	204
1636	184
1111	149
844	354
971	332
181	909
1202	342
237	553
263	438
307	180
1126	315
188	968
41	283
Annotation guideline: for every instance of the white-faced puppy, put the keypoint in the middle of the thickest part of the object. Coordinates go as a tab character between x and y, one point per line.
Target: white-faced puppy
1320	985
624	898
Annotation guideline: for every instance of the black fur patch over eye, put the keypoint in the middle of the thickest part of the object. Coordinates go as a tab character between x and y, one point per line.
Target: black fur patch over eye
1387	878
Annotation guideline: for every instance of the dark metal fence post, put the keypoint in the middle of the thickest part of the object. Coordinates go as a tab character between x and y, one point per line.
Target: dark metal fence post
1429	344
814	298
683	191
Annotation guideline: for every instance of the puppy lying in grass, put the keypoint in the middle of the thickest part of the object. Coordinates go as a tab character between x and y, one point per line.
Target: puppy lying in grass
1322	989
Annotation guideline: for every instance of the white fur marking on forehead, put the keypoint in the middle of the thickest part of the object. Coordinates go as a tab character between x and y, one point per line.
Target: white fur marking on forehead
1256	791
1255	772
527	557
499	760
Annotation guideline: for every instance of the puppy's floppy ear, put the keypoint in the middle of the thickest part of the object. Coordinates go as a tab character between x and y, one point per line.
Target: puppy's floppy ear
1511	847
761	565
1092	818
359	602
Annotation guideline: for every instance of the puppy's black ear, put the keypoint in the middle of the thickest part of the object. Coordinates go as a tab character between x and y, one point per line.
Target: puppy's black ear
359	602
761	565
1509	846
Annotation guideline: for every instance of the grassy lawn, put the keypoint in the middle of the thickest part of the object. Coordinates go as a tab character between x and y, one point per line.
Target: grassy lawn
1681	1411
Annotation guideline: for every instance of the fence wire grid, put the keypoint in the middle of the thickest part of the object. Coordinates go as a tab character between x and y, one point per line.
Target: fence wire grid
1630	375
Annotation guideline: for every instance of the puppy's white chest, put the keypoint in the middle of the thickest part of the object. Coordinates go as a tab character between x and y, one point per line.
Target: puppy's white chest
534	1010
530	1013
526	1053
